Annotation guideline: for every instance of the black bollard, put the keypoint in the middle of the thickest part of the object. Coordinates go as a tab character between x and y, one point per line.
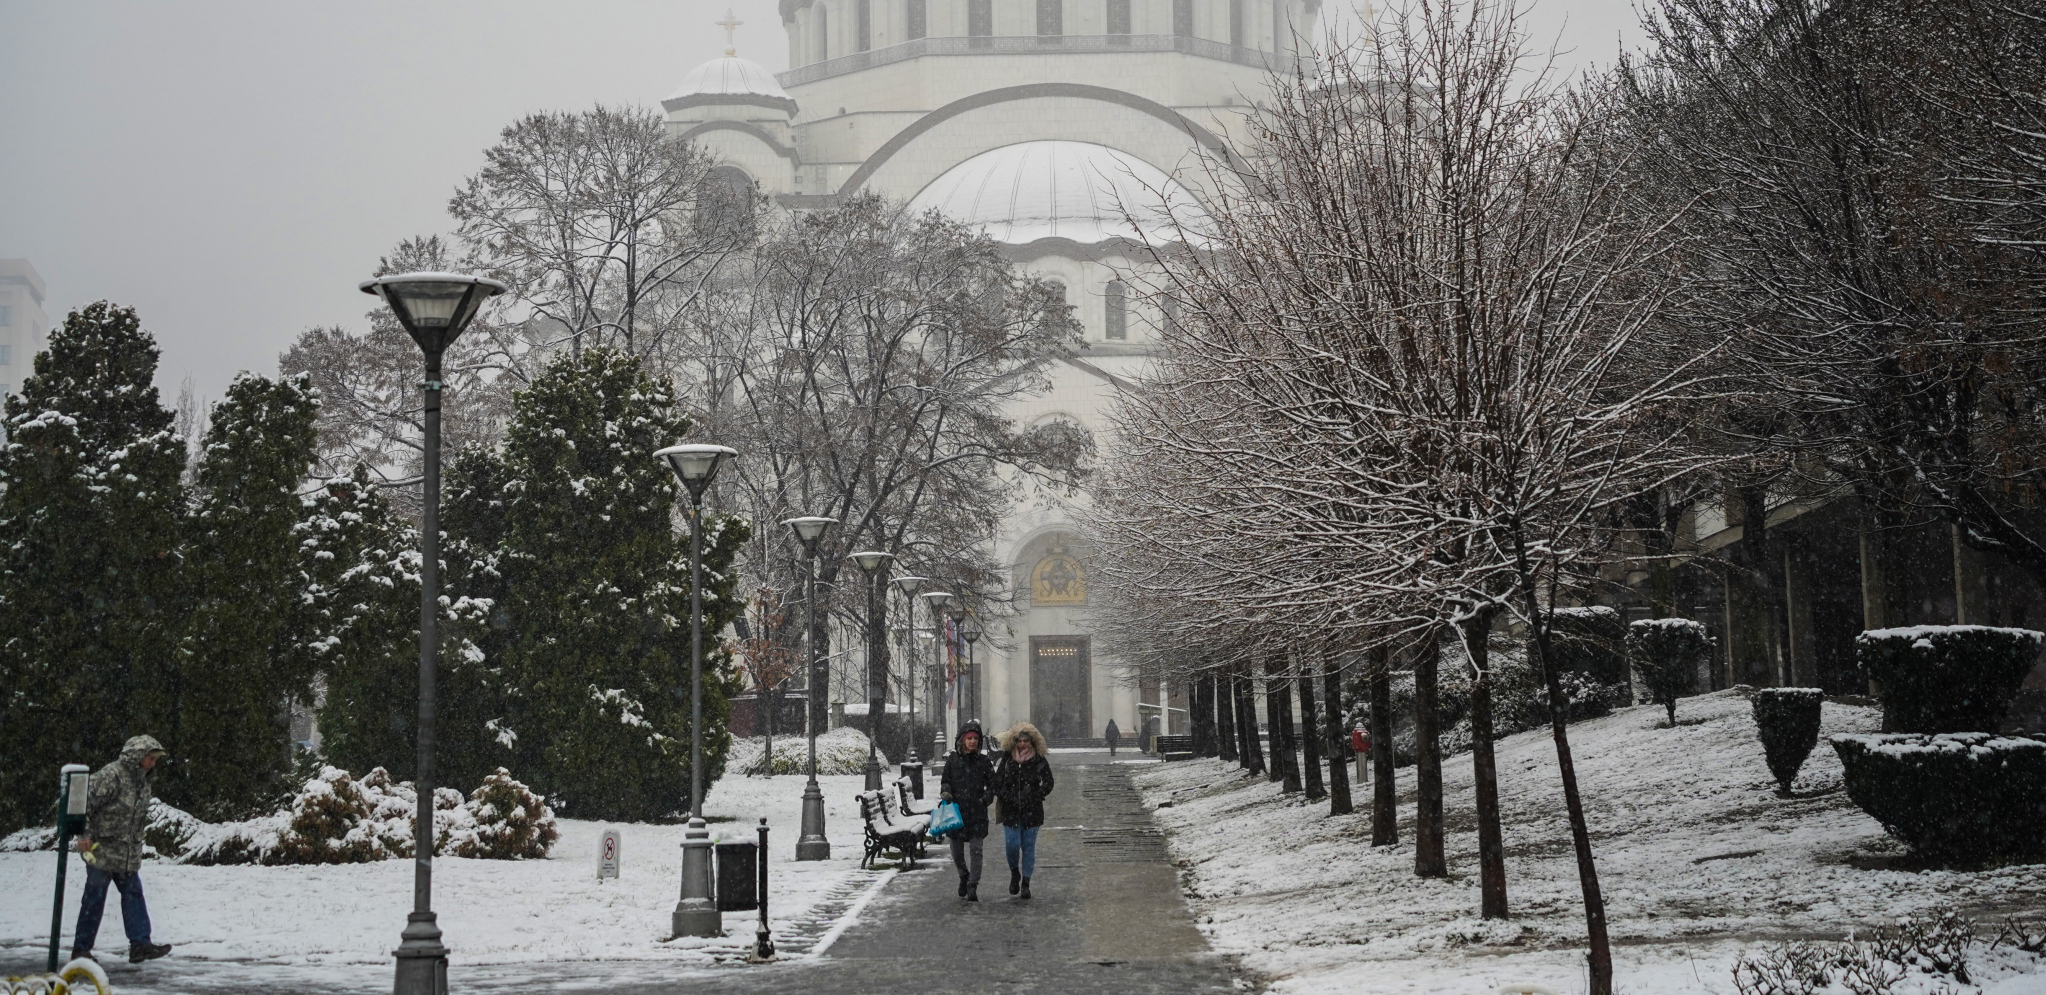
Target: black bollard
763	941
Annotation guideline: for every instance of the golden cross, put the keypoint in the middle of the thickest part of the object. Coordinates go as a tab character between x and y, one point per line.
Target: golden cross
731	23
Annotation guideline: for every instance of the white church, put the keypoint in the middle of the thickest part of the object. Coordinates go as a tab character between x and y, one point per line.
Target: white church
1040	121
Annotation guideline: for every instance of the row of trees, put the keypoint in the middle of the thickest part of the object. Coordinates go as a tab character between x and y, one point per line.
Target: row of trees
1459	337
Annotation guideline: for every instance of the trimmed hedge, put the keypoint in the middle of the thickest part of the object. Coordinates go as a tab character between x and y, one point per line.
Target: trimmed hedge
1666	654
1788	721
1957	796
1590	640
1946	678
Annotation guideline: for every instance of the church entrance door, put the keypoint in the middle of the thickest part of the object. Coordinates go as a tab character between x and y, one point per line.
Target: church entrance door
1061	687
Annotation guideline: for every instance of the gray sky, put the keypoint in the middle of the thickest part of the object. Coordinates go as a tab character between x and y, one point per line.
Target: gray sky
233	169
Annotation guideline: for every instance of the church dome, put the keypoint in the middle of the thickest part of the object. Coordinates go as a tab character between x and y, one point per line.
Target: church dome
730	80
1077	191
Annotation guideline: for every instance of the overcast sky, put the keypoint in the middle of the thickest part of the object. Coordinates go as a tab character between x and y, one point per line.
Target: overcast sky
233	169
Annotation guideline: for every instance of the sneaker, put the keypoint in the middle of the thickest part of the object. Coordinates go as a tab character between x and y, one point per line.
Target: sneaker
1026	889
147	951
973	893
1015	880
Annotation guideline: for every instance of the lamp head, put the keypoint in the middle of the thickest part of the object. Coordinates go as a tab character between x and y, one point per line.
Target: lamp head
434	308
871	561
969	627
809	529
937	599
696	464
910	582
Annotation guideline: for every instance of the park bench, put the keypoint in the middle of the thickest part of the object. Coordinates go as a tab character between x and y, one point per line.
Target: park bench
1172	747
911	804
890	830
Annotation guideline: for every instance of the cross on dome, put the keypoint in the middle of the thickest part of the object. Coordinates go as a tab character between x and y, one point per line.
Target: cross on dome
731	23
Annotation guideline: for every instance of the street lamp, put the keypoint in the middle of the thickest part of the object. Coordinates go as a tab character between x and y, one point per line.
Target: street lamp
909	585
696	465
434	308
969	629
937	600
871	563
813	845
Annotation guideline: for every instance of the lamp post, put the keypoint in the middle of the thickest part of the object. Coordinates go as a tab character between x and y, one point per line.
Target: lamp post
871	563
969	629
434	308
696	465
937	600
909	585
813	845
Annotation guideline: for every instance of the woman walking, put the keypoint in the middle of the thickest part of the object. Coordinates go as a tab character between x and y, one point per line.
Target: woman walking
1022	780
967	783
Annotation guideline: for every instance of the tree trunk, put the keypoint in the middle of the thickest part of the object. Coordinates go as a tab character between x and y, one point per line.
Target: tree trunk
1279	723
1385	812
1203	712
1485	772
1338	742
1310	742
1430	860
1246	706
1225	717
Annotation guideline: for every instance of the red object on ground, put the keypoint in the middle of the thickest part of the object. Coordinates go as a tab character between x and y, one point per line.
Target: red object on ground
1359	743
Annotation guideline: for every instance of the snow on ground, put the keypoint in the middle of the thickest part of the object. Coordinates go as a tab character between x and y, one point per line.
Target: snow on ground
1700	860
492	912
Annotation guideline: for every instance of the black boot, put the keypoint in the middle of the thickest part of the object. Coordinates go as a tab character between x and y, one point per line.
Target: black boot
973	893
147	951
1026	889
1015	880
962	884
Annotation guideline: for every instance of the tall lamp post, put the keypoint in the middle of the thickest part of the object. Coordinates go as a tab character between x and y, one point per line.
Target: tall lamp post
813	845
909	585
871	563
937	600
969	630
434	308
696	465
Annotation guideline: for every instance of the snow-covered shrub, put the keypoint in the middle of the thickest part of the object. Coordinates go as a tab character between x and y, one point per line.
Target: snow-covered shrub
840	751
507	821
1520	699
1960	796
338	820
1788	721
1946	678
1590	640
170	831
1666	654
1922	953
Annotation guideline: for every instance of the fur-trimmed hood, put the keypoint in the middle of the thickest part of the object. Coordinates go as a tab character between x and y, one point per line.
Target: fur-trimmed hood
1028	733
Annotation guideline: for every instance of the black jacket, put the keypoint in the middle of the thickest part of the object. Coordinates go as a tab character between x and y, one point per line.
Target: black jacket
968	782
1022	787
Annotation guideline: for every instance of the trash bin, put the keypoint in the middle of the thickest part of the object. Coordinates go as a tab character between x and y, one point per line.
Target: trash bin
738	877
913	772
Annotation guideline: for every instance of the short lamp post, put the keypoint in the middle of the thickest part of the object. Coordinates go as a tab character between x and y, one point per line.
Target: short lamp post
909	585
969	630
696	465
434	308
938	600
872	563
813	845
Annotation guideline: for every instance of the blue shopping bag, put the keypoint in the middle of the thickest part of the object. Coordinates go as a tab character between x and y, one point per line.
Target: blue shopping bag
946	819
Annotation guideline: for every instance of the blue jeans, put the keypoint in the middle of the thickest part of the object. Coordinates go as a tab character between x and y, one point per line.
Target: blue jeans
1023	838
134	911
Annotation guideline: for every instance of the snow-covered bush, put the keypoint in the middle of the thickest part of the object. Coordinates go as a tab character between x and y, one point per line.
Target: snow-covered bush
338	820
507	821
170	833
1666	654
1960	796
1520	700
1946	678
1590	640
1788	721
1926	953
840	751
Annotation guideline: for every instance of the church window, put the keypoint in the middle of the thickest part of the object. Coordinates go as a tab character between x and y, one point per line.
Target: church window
1051	17
1119	19
980	19
1236	23
1182	18
915	11
1168	308
6	316
1115	311
823	34
1278	25
863	25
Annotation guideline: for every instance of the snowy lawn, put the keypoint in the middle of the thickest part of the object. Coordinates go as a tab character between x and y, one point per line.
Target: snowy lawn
492	912
1699	858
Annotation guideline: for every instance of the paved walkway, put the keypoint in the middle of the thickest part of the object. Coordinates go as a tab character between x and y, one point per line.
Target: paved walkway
1107	917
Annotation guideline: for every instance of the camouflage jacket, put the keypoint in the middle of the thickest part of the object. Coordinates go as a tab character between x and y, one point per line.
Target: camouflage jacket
117	808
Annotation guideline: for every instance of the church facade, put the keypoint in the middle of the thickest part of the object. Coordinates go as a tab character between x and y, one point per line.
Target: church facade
1041	122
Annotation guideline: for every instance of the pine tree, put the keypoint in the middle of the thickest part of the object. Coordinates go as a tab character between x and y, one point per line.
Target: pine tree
235	676
597	594
89	492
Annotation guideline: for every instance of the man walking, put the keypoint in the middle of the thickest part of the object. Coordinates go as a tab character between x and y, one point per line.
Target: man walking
117	810
1113	736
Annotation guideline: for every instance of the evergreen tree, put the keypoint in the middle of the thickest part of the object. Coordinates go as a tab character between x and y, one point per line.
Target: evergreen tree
235	675
89	493
596	573
358	623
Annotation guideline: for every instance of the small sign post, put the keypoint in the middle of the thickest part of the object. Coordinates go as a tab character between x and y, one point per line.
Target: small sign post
72	806
607	855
